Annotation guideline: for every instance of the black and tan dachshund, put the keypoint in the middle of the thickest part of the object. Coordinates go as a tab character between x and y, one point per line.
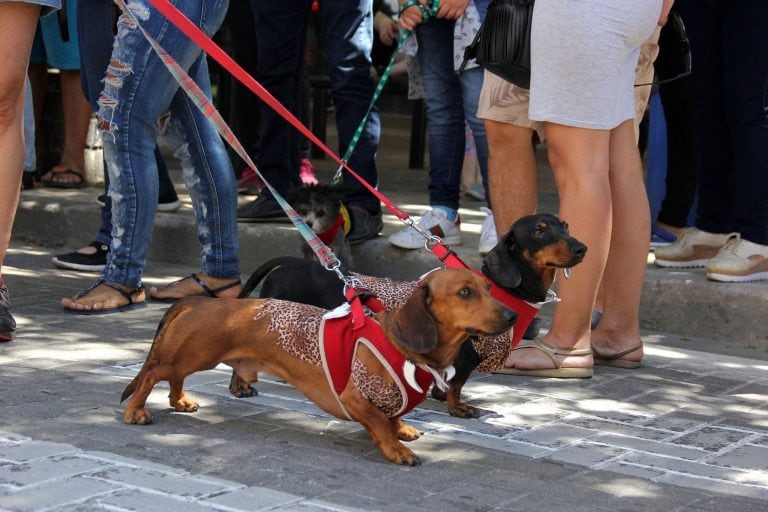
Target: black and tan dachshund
524	263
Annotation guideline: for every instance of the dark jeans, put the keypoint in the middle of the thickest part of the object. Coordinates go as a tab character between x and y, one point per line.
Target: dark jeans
95	24
729	46
682	150
281	33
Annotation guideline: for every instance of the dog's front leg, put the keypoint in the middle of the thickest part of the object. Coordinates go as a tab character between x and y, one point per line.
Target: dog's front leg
404	431
240	388
382	429
464	364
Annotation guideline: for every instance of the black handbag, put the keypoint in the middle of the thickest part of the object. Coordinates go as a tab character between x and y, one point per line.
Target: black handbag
502	44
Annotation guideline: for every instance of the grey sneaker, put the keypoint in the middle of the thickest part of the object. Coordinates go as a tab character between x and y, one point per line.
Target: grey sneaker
365	225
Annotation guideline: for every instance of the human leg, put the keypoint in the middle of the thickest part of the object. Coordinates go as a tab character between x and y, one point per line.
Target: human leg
580	162
17	25
513	181
348	30
622	281
280	27
446	138
132	109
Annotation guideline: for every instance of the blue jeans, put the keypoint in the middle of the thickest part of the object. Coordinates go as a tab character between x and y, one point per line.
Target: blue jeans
449	99
141	100
95	20
281	34
729	48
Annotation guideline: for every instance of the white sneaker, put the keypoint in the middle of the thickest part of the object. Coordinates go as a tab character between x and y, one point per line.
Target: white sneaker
692	249
434	221
488	237
739	261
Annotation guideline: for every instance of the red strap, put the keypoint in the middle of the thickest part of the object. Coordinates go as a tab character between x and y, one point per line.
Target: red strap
329	234
447	256
221	57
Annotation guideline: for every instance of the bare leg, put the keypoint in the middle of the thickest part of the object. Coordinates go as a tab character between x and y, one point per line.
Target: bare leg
619	327
512	177
580	160
17	27
77	115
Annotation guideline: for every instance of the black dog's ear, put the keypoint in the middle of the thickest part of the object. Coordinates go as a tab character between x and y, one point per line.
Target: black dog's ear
415	328
499	265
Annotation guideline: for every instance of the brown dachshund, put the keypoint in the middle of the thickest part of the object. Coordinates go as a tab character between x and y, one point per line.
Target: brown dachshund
524	263
284	339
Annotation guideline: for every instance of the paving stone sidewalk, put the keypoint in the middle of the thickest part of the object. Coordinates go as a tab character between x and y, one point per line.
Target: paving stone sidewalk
688	431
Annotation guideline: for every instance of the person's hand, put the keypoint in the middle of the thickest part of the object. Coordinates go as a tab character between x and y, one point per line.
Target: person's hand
452	9
665	8
386	27
411	17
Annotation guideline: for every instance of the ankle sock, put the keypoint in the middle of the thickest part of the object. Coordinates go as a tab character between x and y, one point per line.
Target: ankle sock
450	212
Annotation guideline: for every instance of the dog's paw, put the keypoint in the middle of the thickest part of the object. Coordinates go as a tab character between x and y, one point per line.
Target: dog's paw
137	417
464	410
185	404
408	433
438	394
401	455
240	388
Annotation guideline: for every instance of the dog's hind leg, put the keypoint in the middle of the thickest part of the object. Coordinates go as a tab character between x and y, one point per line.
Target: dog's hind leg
240	388
464	364
179	400
141	387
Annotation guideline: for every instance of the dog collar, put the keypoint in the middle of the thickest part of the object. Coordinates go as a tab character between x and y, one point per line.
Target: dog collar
343	220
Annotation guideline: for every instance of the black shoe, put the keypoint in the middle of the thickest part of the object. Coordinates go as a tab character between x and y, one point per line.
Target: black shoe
7	323
101	198
168	202
263	209
365	225
28	181
532	332
85	262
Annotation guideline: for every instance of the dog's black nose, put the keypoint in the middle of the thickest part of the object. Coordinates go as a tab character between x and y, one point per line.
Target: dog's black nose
509	316
579	249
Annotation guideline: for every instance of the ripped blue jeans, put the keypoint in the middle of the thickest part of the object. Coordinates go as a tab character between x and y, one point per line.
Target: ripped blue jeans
142	100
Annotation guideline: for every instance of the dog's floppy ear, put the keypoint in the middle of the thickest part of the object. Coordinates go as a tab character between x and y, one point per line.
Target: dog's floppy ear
500	266
415	328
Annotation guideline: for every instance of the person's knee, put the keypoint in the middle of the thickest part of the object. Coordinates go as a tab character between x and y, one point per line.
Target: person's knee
11	99
505	138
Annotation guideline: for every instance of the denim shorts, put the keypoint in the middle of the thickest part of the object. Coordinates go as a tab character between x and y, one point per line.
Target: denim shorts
49	48
48	5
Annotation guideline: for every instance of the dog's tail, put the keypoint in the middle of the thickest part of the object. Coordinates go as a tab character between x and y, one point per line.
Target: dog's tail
167	317
260	273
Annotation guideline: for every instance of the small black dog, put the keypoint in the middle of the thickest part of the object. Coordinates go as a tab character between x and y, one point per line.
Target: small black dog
322	208
524	263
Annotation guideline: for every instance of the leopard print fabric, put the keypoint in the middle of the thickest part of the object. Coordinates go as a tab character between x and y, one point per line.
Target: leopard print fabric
297	327
385	395
393	294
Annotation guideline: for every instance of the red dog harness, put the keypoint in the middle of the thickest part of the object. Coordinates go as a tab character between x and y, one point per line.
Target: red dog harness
526	311
339	339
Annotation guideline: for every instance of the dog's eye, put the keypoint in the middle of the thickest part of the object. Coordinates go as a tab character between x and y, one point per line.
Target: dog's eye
320	213
465	293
